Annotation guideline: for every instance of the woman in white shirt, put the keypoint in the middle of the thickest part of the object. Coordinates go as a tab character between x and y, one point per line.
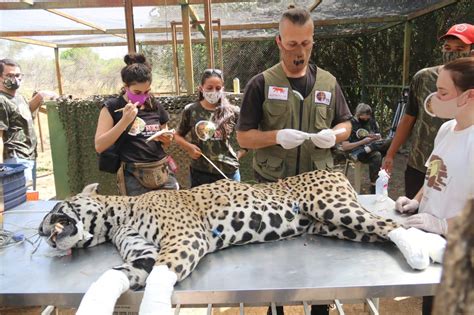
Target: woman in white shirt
449	177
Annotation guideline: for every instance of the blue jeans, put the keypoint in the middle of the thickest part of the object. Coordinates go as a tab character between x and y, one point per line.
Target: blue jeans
200	178
30	171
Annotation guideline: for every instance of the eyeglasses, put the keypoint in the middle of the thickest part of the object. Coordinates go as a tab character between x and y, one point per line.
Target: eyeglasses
212	71
14	75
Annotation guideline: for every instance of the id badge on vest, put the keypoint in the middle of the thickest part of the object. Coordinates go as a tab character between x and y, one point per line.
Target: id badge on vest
322	97
277	93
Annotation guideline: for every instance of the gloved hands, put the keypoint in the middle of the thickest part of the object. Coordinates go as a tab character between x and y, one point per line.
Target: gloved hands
290	138
406	205
429	223
324	139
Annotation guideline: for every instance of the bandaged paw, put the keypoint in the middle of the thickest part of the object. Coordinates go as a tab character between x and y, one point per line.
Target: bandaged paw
413	249
158	291
102	295
434	243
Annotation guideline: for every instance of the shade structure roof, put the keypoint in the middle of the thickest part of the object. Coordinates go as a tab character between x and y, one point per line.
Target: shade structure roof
79	23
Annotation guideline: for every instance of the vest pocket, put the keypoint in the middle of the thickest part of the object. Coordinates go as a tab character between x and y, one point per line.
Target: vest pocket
271	161
321	117
322	160
275	115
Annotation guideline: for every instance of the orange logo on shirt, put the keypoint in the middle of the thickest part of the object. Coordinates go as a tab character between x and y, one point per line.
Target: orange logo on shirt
436	173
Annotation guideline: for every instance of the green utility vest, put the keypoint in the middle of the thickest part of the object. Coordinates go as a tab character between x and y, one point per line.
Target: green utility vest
315	113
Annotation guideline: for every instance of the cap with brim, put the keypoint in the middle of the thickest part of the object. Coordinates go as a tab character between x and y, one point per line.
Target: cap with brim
465	32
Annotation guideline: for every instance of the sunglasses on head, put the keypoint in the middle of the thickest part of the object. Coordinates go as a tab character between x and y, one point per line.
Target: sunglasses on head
213	71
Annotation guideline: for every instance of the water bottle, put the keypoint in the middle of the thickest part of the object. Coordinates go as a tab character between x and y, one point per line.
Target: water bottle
381	186
236	83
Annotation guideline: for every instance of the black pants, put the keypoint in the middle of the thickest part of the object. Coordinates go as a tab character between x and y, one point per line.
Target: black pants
315	310
374	159
414	180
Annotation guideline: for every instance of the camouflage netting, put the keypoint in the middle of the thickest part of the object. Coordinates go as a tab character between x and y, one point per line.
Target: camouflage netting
79	119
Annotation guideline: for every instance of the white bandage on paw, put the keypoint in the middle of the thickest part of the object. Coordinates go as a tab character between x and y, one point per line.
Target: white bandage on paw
415	253
158	291
434	243
102	295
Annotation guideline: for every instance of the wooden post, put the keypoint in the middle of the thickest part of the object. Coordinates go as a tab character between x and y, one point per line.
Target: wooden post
175	57
188	53
58	71
208	28
130	26
219	41
406	53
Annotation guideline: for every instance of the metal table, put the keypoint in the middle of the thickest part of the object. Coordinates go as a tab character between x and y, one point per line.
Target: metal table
308	268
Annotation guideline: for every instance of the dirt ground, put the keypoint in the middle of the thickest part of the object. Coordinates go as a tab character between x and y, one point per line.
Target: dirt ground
391	306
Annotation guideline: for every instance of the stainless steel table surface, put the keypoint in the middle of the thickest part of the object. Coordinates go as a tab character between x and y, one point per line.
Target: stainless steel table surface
308	268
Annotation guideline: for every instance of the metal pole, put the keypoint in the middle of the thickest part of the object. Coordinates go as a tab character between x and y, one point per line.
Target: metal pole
219	41
208	28
130	26
175	57
188	53
363	95
406	53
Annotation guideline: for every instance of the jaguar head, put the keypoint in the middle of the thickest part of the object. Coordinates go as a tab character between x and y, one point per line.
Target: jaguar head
71	223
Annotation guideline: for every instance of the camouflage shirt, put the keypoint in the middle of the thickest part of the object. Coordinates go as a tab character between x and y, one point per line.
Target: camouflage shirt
16	121
217	149
426	127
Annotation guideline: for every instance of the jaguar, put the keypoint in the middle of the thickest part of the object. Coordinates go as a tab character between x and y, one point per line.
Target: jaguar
162	235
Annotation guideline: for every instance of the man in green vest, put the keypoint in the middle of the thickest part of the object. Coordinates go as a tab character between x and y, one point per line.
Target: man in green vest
292	113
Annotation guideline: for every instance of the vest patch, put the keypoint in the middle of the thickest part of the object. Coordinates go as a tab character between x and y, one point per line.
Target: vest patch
277	93
323	97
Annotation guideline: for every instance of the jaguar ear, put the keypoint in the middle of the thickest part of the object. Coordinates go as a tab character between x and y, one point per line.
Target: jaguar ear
91	189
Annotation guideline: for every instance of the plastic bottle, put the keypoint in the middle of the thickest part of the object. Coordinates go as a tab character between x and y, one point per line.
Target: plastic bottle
381	186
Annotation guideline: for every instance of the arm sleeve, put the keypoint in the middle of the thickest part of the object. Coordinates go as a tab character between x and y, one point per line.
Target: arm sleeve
164	116
251	111
412	105
343	112
4	121
184	124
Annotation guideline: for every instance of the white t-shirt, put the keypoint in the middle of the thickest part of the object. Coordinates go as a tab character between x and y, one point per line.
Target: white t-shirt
450	175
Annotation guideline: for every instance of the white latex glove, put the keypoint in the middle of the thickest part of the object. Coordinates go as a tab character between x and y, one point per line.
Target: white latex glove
290	138
412	248
429	223
158	291
102	295
406	205
48	95
324	139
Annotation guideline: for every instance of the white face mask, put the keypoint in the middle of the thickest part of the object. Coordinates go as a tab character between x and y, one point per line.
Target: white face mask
442	109
212	97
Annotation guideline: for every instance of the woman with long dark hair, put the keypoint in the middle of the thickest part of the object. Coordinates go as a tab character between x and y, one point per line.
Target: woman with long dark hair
128	122
211	121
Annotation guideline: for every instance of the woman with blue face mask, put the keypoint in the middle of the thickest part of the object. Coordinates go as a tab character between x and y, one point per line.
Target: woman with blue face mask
448	183
211	121
127	123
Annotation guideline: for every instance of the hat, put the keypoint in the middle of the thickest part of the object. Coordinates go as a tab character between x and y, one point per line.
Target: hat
464	32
